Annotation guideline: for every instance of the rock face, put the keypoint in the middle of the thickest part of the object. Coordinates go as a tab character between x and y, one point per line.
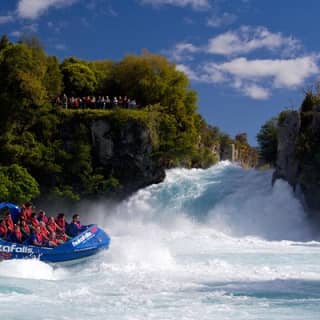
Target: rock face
298	159
121	151
287	163
125	152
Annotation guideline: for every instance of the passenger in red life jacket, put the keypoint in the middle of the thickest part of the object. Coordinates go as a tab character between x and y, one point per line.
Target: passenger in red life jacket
62	238
42	217
34	223
75	226
52	226
28	209
36	237
3	230
9	222
61	222
44	231
25	229
23	215
53	242
16	236
61	228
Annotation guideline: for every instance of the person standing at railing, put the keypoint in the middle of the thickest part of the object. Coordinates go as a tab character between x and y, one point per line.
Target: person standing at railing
108	102
65	101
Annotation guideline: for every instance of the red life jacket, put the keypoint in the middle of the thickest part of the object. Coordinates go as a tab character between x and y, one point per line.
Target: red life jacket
9	224
52	226
35	222
28	212
25	228
3	231
44	231
18	235
62	236
78	225
23	216
61	223
39	238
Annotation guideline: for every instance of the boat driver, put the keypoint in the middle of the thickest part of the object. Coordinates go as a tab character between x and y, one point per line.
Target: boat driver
75	227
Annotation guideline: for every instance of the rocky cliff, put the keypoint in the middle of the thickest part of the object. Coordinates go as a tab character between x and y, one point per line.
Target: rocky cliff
120	152
126	153
298	158
288	134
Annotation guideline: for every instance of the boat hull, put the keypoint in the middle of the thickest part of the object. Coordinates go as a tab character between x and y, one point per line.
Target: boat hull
87	243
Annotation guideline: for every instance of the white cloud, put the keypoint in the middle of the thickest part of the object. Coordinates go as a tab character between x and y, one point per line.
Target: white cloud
183	51
195	4
242	41
285	73
61	47
192	75
256	78
255	92
32	9
16	34
248	39
6	19
219	21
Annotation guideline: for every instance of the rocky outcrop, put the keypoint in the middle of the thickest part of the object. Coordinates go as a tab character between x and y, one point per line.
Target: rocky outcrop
125	152
298	158
117	153
287	163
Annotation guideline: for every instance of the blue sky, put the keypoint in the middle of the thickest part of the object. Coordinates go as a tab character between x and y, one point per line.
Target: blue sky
247	59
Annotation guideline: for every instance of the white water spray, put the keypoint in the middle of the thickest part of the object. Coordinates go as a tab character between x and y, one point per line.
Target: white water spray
221	243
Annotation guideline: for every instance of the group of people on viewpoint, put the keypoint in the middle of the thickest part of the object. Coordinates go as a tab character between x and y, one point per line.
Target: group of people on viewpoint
92	102
35	228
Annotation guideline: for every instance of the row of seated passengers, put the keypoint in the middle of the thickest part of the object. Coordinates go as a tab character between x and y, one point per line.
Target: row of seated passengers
39	230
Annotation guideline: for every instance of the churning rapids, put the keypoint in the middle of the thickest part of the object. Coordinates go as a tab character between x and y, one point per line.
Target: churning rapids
204	244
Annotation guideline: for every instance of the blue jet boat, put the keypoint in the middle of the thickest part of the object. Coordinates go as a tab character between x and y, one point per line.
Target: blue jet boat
89	242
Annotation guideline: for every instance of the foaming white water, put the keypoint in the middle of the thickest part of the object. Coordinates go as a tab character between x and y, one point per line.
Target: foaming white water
218	244
231	200
28	269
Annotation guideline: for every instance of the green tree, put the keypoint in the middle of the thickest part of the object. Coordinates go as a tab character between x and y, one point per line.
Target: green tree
268	141
53	77
103	73
78	78
4	42
22	71
17	185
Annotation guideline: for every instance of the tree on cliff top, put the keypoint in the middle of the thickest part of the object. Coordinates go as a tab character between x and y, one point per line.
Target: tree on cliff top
4	42
268	141
22	85
78	78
